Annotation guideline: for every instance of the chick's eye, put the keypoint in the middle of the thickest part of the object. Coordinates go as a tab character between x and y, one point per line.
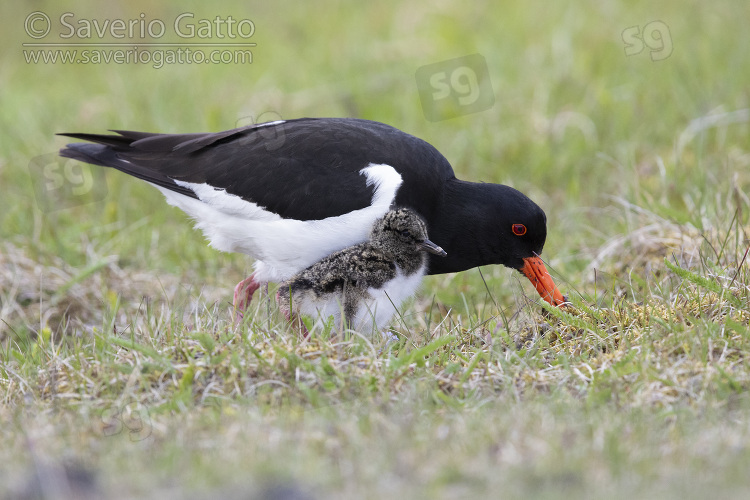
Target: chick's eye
405	232
519	229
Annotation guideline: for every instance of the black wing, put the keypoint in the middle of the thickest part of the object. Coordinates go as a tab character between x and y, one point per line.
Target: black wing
305	169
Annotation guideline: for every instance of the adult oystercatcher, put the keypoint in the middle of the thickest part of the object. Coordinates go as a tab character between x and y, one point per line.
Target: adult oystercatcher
289	193
367	281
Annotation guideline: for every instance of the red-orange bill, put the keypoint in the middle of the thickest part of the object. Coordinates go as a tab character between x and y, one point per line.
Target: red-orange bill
533	268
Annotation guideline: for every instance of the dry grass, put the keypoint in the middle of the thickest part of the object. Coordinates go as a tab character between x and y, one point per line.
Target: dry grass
197	353
46	292
126	367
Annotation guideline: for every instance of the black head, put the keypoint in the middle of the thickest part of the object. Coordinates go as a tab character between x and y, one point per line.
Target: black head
491	224
480	224
475	225
402	230
520	227
520	231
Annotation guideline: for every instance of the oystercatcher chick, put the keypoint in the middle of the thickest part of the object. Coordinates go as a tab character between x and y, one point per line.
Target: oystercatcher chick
289	193
365	284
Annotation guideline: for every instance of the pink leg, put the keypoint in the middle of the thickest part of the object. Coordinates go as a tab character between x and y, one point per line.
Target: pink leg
293	318
243	294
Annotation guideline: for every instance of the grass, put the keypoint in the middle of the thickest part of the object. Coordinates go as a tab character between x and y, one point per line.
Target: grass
122	374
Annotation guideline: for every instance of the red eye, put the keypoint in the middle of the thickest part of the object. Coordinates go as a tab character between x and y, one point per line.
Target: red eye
519	229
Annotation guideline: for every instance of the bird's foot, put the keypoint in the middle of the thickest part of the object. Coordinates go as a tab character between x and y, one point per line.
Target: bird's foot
243	294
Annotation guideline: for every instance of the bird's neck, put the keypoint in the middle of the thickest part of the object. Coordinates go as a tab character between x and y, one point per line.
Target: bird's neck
460	228
410	264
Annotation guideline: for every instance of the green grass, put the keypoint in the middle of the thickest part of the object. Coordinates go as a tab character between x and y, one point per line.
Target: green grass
119	361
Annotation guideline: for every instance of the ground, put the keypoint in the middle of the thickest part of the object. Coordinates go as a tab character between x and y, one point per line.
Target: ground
123	375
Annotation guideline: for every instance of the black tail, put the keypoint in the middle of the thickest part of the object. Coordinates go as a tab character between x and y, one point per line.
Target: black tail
105	154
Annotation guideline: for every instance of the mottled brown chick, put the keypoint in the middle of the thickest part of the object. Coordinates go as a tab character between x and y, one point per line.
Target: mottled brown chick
366	282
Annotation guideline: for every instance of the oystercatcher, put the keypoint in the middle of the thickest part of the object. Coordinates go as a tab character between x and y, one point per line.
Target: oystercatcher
289	193
368	281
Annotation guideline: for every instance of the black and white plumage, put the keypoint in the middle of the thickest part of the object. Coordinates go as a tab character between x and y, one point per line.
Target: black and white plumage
289	193
366	282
